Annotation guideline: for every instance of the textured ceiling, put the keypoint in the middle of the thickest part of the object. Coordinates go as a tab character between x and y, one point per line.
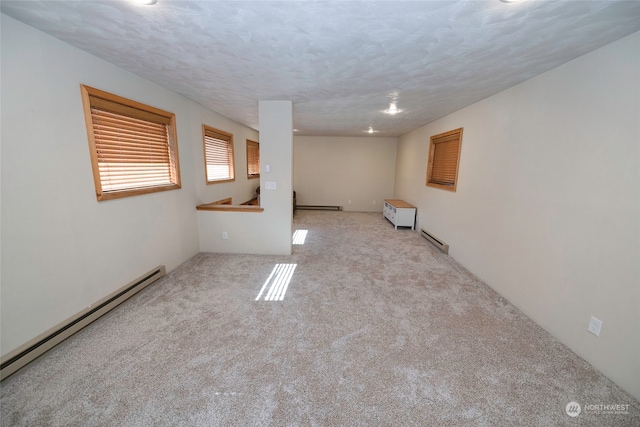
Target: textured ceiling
340	62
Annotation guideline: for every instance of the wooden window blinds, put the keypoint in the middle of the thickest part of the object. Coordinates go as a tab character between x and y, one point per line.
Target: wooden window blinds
133	146
253	159
218	155
444	159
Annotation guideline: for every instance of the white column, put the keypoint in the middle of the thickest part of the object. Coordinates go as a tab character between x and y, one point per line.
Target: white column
276	150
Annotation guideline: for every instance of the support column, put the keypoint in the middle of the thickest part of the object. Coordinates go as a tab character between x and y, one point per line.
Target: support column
276	152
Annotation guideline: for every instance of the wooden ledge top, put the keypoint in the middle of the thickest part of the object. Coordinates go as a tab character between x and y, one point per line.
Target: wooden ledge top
229	208
399	203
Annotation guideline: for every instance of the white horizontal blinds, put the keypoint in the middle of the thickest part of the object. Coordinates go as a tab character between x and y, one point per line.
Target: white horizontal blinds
218	149
253	158
446	150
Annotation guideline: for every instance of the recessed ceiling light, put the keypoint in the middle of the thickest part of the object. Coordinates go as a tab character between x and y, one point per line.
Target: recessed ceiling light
145	2
371	130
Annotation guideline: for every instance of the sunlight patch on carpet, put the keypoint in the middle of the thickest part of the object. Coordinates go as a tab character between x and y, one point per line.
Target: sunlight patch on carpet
299	237
277	282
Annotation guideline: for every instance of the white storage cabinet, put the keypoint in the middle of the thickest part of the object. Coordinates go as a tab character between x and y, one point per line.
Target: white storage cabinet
400	213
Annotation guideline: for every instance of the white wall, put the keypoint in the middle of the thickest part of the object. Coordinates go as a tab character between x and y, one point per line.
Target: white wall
61	249
240	190
267	232
330	171
547	209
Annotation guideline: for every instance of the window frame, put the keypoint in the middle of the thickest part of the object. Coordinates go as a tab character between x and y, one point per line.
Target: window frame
452	167
124	107
249	174
221	135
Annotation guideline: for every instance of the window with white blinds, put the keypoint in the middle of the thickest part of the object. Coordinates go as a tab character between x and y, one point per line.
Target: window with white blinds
218	155
133	147
444	159
253	159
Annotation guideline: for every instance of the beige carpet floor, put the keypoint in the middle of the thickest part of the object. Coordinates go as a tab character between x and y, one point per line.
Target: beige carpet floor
376	328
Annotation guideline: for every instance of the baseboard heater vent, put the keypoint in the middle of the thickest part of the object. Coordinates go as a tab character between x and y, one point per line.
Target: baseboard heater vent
436	242
47	340
318	208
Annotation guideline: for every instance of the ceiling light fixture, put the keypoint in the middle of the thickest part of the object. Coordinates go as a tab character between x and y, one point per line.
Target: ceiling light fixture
371	130
145	2
393	109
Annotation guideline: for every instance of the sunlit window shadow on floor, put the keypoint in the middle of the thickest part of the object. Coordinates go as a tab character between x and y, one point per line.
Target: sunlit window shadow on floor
277	282
299	237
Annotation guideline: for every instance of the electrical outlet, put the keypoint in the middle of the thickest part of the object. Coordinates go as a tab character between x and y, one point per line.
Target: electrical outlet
225	235
349	201
594	326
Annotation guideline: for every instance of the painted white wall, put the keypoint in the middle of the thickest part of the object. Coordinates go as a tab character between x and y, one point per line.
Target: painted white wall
62	250
240	190
267	232
330	171
547	209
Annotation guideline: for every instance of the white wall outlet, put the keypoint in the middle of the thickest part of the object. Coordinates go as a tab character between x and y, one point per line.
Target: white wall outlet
267	168
225	235
270	185
349	201
594	326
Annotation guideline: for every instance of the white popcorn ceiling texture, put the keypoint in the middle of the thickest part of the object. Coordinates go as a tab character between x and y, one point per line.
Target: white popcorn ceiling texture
340	62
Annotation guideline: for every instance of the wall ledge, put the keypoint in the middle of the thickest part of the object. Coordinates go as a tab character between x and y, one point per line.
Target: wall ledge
229	208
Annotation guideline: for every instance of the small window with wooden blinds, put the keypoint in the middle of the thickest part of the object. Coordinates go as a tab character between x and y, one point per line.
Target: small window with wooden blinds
444	158
253	159
218	155
133	147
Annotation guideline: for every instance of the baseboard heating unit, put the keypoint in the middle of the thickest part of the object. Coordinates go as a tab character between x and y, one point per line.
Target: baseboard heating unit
47	340
435	241
318	208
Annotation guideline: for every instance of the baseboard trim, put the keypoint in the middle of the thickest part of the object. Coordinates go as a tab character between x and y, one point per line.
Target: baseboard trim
26	353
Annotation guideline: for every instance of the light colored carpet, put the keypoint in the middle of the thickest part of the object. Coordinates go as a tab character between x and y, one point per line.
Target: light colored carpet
376	328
